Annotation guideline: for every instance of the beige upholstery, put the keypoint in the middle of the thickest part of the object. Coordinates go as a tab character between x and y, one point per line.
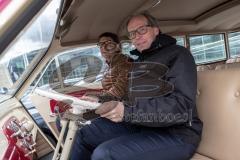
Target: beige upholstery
218	103
233	60
85	20
205	67
228	65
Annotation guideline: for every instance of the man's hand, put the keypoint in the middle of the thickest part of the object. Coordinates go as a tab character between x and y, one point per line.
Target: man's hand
111	110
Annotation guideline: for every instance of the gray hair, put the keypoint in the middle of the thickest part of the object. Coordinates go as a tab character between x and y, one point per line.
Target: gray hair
152	21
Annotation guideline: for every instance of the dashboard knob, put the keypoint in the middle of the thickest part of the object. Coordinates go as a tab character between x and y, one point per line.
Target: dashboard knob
28	126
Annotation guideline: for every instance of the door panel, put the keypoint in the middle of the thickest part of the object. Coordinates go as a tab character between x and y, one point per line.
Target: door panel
20	136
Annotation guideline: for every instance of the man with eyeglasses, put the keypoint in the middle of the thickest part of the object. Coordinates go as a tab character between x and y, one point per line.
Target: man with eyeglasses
159	121
115	79
172	138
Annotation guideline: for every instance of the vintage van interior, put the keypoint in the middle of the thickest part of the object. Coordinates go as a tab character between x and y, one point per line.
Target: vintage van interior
209	28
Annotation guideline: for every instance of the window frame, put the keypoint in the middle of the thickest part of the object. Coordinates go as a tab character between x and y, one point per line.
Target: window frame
20	23
215	33
226	43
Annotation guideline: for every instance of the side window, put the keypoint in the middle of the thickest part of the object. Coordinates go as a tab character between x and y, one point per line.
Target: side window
180	40
16	67
127	46
50	76
234	44
208	48
72	68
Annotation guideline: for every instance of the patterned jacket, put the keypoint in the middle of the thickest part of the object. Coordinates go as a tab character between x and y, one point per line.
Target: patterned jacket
115	80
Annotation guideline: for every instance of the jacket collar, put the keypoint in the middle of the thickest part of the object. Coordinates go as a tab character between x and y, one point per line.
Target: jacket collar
161	41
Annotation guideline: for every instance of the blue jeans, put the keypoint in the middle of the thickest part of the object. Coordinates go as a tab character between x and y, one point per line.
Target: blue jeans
106	140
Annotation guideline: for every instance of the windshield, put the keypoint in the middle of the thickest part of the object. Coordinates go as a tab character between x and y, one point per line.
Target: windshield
31	43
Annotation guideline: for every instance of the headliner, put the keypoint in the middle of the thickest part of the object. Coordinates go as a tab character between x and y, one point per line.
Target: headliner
83	20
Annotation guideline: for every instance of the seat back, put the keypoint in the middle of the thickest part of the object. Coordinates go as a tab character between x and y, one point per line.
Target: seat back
233	60
204	67
218	103
228	65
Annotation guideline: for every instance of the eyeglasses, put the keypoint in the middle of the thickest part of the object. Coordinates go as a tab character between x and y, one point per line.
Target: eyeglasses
140	30
102	44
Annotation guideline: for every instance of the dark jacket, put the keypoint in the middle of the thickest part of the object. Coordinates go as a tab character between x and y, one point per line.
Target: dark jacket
173	103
